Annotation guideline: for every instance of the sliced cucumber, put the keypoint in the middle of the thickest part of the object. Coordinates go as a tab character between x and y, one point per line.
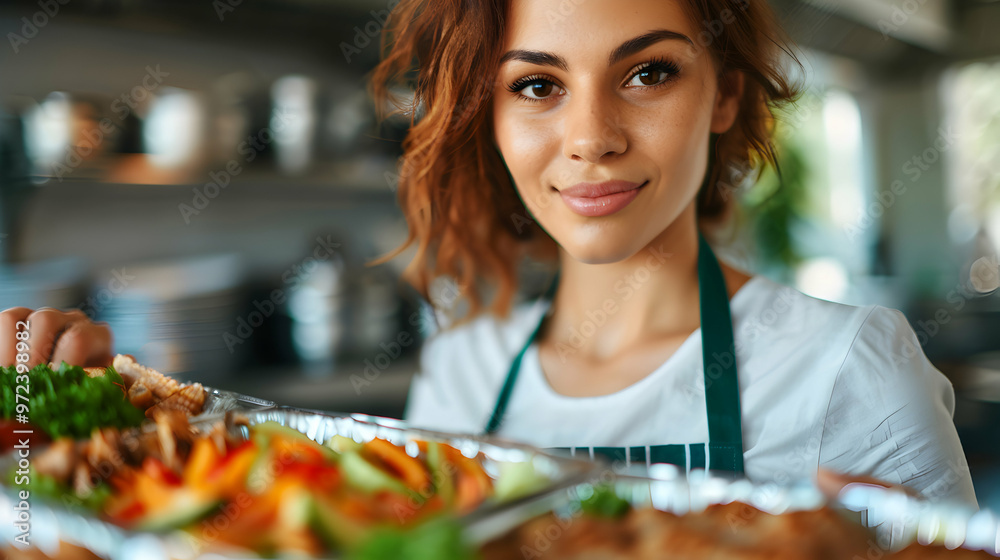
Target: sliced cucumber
342	444
270	429
367	477
186	508
441	472
518	479
261	474
337	530
295	510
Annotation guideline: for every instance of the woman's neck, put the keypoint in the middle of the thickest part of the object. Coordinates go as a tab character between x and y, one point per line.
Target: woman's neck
603	310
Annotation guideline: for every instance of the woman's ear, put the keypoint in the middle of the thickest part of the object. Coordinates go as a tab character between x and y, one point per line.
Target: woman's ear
727	101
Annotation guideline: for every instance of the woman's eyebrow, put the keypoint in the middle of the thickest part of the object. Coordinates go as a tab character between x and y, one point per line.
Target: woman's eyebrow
540	58
639	43
621	52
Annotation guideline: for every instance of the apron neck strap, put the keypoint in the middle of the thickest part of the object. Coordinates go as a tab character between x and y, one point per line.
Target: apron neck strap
718	353
515	367
722	399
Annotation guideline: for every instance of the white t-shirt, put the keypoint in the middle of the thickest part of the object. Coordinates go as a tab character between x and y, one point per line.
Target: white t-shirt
821	385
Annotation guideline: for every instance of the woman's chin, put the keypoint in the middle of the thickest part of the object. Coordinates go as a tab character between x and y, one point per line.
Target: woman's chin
603	251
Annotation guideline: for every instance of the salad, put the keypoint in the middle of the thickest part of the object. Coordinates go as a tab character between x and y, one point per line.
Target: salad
72	401
65	401
272	490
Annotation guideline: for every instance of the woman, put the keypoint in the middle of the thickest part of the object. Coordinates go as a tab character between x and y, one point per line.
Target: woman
603	135
617	126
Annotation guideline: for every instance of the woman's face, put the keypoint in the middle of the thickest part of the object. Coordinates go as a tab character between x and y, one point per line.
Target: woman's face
602	111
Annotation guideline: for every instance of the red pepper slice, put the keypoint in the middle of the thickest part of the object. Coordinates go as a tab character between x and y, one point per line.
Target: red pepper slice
410	469
160	472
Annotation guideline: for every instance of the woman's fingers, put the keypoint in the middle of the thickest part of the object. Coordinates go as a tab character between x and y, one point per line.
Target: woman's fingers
84	343
45	326
832	483
8	330
53	336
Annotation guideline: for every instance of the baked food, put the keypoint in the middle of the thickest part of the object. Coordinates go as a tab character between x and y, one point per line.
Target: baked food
735	531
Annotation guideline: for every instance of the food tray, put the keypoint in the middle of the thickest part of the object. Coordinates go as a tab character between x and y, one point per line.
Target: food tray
896	519
218	401
899	520
51	523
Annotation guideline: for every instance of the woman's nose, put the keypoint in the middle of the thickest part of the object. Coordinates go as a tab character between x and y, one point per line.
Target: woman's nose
594	130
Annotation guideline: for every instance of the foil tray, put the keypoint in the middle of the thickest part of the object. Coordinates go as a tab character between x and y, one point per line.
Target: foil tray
896	519
52	523
218	401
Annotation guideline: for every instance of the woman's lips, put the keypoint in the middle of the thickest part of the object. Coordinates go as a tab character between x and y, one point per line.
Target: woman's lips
600	199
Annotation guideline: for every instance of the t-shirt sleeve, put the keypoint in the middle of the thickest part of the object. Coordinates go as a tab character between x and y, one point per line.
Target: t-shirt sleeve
891	414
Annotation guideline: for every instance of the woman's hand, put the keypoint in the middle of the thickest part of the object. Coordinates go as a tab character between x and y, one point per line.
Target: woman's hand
831	483
54	337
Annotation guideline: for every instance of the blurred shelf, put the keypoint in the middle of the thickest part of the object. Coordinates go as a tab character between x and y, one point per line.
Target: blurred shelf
374	176
345	390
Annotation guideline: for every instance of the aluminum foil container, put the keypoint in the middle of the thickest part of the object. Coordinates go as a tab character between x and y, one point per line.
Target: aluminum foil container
896	519
52	523
899	520
218	401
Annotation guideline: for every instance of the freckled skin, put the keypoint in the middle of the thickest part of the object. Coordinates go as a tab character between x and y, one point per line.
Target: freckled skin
598	122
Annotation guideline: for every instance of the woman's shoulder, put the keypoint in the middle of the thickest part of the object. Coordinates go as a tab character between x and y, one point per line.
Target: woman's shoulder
879	407
780	329
856	354
768	313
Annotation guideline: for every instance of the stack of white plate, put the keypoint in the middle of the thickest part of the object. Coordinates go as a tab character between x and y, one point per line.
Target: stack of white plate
55	283
172	315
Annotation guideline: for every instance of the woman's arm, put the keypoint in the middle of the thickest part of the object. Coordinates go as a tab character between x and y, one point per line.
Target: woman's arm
890	415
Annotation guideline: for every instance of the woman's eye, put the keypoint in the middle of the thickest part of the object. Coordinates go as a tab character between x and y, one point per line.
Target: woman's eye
649	77
539	90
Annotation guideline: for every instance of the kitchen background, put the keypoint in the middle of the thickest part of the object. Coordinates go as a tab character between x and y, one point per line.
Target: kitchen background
207	177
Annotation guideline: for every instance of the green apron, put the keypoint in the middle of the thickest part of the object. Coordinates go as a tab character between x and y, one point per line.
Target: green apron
724	449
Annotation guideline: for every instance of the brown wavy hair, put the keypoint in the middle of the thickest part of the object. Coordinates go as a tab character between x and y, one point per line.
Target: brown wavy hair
463	212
